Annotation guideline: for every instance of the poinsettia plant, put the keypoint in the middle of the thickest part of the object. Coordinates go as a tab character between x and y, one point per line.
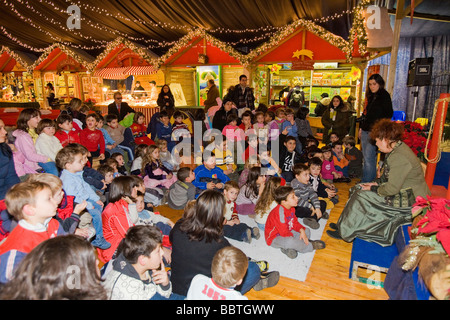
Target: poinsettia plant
416	138
435	220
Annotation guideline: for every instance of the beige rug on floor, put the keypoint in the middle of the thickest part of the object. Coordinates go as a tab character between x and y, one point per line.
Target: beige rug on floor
290	268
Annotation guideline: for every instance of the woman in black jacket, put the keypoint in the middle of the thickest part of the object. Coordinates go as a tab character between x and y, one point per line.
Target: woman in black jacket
378	105
165	98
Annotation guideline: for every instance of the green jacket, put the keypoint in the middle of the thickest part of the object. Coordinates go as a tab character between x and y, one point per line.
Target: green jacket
402	171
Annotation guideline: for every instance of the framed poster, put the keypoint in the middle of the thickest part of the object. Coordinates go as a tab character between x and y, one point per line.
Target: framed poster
204	74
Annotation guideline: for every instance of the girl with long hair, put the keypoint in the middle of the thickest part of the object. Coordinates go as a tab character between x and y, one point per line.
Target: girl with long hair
155	173
250	192
266	202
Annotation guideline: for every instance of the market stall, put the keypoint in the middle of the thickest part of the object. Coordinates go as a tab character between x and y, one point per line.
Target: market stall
119	68
17	85
306	56
195	59
63	67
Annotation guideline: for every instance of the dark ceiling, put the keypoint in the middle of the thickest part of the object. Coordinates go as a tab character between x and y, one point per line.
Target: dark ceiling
30	25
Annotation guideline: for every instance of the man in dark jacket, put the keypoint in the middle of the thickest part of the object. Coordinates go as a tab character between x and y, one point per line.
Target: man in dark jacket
242	95
119	108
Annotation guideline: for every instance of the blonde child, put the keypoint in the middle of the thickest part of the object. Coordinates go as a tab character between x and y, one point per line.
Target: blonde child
228	269
68	214
47	144
250	192
33	206
156	174
233	228
280	116
139	130
266	203
260	127
224	159
166	157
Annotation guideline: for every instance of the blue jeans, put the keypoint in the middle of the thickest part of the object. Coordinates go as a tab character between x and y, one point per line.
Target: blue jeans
369	152
49	167
96	214
251	278
237	232
173	296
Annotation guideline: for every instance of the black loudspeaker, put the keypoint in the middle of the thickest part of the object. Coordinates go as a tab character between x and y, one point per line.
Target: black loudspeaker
419	72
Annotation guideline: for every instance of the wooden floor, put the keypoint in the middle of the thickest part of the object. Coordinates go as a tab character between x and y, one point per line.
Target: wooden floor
327	278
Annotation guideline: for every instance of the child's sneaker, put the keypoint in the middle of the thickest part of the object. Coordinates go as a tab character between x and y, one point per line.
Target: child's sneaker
255	233
311	222
325	215
101	243
291	253
248	236
317	244
262	264
267	280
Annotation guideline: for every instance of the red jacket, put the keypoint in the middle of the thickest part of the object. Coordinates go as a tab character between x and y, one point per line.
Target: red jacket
115	226
281	222
140	134
92	139
66	138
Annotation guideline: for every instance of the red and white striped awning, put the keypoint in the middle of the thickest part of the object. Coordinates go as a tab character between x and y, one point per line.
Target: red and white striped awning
140	70
111	73
125	72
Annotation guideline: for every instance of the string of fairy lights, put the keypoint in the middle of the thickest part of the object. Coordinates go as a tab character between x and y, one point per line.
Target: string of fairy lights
274	34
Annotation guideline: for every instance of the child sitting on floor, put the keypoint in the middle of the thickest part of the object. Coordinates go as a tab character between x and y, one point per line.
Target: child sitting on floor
156	174
283	230
228	269
138	272
354	157
329	172
266	203
339	159
309	207
233	228
32	205
92	138
72	160
182	191
65	132
250	192
208	175
139	130
326	191
47	144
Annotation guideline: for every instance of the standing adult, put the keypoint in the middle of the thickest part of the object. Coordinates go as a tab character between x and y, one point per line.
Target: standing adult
378	105
51	97
166	99
8	175
153	93
242	96
212	95
335	119
118	107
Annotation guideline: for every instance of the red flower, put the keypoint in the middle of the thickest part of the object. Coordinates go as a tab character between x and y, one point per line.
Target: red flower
436	220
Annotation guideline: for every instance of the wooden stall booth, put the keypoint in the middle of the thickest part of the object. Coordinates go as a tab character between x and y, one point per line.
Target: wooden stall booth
63	67
119	67
17	85
193	60
307	56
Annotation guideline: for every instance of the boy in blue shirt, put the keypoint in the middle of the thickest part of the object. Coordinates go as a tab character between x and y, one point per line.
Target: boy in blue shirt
164	130
292	131
209	176
72	160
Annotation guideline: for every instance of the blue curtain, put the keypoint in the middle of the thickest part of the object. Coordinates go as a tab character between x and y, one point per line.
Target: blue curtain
410	49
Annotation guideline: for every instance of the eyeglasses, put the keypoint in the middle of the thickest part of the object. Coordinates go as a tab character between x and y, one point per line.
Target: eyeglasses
119	98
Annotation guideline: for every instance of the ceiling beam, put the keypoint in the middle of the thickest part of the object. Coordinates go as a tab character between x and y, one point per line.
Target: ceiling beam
424	16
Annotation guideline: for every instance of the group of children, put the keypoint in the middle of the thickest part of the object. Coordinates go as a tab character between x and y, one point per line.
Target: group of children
112	204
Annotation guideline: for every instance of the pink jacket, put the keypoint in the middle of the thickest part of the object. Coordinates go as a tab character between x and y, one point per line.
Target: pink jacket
25	145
